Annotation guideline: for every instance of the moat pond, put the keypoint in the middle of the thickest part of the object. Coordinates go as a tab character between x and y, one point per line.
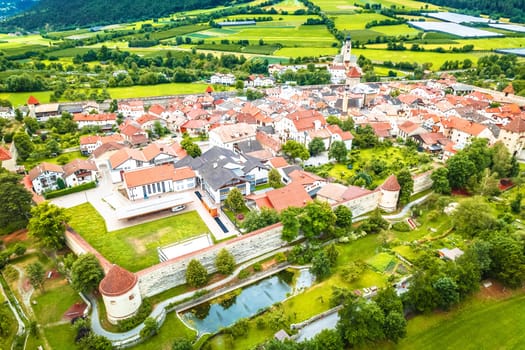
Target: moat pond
227	309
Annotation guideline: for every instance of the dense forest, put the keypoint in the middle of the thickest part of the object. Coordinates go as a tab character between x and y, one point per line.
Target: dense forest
513	9
57	14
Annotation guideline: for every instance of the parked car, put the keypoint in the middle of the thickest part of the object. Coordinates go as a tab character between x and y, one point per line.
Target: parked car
178	208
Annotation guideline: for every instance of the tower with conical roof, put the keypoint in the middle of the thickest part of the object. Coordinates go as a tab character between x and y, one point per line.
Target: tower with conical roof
121	294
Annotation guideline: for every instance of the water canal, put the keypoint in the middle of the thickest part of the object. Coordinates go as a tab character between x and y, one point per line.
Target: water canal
227	309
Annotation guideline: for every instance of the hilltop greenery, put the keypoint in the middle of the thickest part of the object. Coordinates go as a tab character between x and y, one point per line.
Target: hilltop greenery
69	14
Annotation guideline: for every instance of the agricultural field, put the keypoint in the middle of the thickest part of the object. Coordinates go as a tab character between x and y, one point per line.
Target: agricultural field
134	248
454	29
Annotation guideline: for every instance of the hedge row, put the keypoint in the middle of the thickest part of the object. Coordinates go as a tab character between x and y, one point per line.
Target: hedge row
74	189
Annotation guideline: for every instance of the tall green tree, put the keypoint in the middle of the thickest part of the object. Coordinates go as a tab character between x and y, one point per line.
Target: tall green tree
47	225
235	200
290	223
225	262
343	216
316	146
86	273
317	218
501	160
255	220
440	183
274	178
338	151
24	146
196	274
460	169
36	274
404	178
472	217
294	150
360	322
507	260
15	205
321	266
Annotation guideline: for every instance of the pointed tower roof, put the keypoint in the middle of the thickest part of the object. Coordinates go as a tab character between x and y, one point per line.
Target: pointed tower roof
32	100
117	281
353	73
391	184
509	89
4	154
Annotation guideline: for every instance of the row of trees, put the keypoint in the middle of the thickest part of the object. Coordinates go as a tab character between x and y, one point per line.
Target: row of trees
197	275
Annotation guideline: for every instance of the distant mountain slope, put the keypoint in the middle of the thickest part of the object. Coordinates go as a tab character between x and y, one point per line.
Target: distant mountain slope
12	7
513	9
71	13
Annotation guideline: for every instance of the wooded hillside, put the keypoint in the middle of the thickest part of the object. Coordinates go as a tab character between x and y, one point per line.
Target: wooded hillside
513	9
57	14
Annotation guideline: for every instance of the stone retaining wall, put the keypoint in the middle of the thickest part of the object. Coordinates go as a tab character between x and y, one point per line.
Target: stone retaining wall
422	182
172	273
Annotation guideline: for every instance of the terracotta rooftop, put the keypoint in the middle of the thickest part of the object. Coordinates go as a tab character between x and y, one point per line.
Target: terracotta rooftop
80	117
517	125
79	164
279	162
353	73
156	174
293	195
509	89
124	154
42	167
32	100
4	154
117	281
391	184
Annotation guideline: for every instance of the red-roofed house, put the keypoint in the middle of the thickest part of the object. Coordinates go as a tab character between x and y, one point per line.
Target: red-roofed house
133	133
79	171
4	154
460	131
44	177
513	135
133	109
409	129
105	121
148	121
296	125
389	194
311	182
144	183
292	195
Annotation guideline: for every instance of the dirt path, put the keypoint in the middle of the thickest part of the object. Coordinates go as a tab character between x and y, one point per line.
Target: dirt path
25	295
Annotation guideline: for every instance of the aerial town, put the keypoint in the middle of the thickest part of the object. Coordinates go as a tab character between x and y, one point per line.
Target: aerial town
345	215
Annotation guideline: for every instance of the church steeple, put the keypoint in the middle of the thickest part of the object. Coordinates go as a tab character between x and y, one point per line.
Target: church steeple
346	50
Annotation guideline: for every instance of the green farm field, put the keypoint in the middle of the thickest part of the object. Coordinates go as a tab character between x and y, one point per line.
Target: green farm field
133	248
480	323
413	56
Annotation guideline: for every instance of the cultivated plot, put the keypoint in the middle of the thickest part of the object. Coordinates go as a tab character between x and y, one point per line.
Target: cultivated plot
455	29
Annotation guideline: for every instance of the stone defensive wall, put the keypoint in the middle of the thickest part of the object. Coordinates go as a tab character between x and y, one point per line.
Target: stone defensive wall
172	273
422	182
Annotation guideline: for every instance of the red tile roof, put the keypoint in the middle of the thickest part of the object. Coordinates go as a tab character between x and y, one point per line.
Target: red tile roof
32	100
509	89
517	125
146	118
279	162
156	174
293	195
4	154
117	281
44	166
79	164
391	184
353	73
80	117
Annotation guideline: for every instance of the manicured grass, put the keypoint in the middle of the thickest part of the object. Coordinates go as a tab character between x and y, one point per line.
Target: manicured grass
171	329
60	337
20	98
134	248
477	324
57	298
381	261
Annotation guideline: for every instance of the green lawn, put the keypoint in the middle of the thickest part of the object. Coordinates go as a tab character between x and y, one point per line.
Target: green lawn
157	90
134	248
60	337
381	261
171	329
5	342
477	324
54	302
69	156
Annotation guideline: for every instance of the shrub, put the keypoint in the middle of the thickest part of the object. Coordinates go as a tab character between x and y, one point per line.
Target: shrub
243	274
280	257
257	267
143	312
59	193
401	226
